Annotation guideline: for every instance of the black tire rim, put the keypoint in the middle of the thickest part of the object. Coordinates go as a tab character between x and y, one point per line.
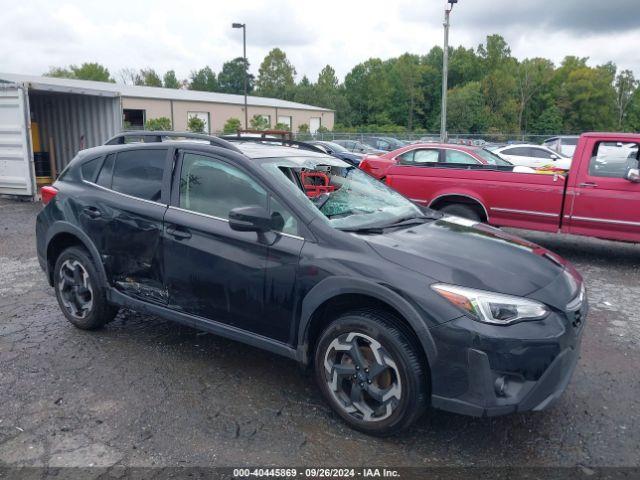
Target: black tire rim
362	377
76	293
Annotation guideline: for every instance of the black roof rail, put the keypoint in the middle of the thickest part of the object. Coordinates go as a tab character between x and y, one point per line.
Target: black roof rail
159	136
280	141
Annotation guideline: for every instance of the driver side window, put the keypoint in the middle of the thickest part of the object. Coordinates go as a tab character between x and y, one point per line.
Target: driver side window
214	187
613	159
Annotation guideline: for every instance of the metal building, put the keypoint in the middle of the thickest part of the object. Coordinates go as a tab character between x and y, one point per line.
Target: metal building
44	121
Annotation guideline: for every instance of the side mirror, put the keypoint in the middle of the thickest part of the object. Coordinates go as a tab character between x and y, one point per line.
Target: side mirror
554	157
250	219
632	175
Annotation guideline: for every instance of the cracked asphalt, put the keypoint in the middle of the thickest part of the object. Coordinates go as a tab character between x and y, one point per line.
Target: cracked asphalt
147	392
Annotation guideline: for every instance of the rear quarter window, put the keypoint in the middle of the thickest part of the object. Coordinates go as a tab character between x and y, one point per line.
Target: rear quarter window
89	169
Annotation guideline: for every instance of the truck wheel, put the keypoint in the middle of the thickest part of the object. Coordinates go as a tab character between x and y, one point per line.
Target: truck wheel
369	370
461	210
79	291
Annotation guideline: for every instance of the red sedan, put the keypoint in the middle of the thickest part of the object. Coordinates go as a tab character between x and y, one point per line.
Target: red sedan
433	154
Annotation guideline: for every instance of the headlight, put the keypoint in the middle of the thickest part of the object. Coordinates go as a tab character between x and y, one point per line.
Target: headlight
490	307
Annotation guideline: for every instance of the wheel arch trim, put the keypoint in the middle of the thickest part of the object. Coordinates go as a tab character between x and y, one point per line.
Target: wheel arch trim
62	227
334	286
456	194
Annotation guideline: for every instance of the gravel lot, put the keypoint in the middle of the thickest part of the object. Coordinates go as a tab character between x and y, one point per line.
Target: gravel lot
146	392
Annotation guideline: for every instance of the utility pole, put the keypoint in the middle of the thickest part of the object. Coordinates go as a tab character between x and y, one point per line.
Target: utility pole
445	72
246	69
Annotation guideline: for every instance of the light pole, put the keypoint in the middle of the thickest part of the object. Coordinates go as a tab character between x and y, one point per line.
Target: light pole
445	72
246	67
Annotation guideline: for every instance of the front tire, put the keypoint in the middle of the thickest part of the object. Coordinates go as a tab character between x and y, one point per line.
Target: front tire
79	291
368	367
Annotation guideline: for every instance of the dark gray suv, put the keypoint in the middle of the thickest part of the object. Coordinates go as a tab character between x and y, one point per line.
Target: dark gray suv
395	307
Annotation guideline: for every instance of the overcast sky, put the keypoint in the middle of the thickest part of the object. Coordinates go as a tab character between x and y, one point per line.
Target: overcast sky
184	36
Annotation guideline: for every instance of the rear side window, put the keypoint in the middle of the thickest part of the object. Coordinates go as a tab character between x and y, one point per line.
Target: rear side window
517	151
104	177
419	157
90	169
139	173
539	153
458	157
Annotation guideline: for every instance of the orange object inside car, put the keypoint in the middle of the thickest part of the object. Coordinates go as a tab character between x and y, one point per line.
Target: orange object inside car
316	183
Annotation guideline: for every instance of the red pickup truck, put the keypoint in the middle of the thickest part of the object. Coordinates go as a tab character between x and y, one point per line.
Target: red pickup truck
599	196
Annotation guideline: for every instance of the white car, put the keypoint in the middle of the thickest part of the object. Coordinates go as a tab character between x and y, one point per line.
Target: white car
534	156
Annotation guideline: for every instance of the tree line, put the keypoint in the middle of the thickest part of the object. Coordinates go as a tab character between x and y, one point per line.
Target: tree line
490	91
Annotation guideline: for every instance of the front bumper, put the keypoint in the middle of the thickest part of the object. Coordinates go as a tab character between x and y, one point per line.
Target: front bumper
485	370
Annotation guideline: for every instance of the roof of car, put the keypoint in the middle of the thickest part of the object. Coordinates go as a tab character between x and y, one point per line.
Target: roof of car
258	150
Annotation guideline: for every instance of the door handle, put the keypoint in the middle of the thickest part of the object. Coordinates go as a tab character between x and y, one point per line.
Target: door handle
92	212
588	185
178	233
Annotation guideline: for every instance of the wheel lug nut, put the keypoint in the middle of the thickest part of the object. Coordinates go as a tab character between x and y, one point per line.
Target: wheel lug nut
361	384
366	370
357	367
368	381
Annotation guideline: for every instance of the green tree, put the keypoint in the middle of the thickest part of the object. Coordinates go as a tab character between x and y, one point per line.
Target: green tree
195	125
303	128
148	78
466	109
170	80
232	125
625	87
405	75
532	75
305	92
587	100
276	76
366	88
281	126
86	71
231	77
259	122
160	123
204	80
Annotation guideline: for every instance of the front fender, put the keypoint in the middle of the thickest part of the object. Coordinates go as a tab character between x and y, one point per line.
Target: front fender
334	286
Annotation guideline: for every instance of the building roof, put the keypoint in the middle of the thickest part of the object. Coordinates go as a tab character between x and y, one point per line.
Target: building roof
86	87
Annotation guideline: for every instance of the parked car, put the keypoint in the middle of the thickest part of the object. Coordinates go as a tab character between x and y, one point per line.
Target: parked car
434	154
534	156
565	144
338	151
384	143
395	307
358	147
598	197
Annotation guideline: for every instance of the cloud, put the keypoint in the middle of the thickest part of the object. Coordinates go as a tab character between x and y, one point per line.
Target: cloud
37	34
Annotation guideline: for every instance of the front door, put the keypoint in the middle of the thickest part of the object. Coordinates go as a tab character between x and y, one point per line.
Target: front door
604	204
218	273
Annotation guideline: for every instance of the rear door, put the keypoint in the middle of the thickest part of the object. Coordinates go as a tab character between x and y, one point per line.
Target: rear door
17	176
603	203
122	211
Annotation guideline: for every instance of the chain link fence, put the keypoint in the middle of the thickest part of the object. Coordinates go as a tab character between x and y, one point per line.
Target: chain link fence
460	138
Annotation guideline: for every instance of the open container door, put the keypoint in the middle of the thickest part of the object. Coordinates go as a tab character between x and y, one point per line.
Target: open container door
17	175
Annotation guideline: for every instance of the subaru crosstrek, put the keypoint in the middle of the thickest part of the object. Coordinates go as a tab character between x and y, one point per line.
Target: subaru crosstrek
393	306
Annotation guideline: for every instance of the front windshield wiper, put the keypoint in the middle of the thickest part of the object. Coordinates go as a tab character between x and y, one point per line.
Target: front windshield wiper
402	222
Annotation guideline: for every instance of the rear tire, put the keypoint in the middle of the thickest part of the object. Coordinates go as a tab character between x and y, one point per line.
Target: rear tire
460	210
79	291
368	367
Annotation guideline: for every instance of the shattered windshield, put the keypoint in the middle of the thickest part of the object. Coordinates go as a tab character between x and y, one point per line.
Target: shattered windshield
347	197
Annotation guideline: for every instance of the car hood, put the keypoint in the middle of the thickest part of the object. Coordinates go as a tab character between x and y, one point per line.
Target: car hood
460	252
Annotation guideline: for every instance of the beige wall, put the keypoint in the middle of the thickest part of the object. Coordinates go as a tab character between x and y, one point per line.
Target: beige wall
219	113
